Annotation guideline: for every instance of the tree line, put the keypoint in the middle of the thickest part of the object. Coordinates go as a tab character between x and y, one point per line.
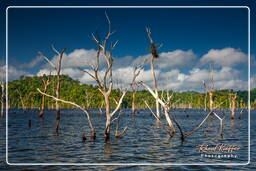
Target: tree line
22	93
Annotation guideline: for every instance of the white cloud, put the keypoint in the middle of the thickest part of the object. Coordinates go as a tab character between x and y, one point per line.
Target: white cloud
13	73
32	63
225	77
78	58
224	57
253	81
170	59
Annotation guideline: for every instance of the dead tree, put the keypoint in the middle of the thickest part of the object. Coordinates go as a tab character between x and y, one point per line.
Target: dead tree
105	84
209	89
57	68
24	100
88	98
155	55
93	133
165	107
134	86
232	101
46	83
2	98
117	134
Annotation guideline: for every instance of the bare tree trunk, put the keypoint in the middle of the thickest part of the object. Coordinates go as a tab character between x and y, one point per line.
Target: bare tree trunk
108	117
210	100
57	68
42	107
133	102
41	114
155	87
2	100
166	110
57	105
233	106
165	106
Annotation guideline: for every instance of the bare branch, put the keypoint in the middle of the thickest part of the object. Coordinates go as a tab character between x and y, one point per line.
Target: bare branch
119	103
54	49
87	72
74	104
53	65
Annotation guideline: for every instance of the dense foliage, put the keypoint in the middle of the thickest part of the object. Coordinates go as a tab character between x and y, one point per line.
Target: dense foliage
23	93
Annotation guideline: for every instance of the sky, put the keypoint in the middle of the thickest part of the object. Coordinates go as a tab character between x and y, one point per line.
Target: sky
192	40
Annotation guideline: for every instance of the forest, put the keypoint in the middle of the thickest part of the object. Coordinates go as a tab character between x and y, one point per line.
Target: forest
23	93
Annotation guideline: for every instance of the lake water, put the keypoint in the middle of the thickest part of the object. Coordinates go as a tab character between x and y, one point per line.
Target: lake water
144	142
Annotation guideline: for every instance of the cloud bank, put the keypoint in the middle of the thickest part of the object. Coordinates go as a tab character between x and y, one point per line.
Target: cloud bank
175	70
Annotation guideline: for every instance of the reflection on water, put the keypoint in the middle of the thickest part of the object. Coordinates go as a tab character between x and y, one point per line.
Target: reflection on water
145	140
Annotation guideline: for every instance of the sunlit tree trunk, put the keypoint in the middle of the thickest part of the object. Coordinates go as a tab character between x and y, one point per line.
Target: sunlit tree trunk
133	102
210	100
46	83
2	99
155	55
232	105
57	68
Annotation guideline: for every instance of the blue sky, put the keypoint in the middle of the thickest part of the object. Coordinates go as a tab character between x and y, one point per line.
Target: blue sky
191	38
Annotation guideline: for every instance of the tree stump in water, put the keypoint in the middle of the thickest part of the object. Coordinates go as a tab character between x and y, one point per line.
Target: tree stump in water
29	123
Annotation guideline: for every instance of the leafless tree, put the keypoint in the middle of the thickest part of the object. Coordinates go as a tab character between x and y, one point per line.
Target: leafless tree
134	86
2	98
46	83
232	102
105	84
57	68
155	55
165	106
209	89
93	133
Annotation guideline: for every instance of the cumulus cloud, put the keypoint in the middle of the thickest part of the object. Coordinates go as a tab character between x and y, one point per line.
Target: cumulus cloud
225	78
224	57
167	72
32	63
170	59
78	58
13	73
253	81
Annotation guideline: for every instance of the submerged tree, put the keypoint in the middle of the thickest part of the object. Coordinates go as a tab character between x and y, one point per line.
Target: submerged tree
209	90
134	86
105	84
93	133
232	102
46	83
57	68
2	98
155	55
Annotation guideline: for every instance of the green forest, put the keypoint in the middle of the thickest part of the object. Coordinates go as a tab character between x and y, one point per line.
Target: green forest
23	93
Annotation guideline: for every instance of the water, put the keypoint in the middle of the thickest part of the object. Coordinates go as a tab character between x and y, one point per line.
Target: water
144	142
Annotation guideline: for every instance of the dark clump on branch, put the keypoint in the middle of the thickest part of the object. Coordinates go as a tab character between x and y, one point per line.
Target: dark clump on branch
154	50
